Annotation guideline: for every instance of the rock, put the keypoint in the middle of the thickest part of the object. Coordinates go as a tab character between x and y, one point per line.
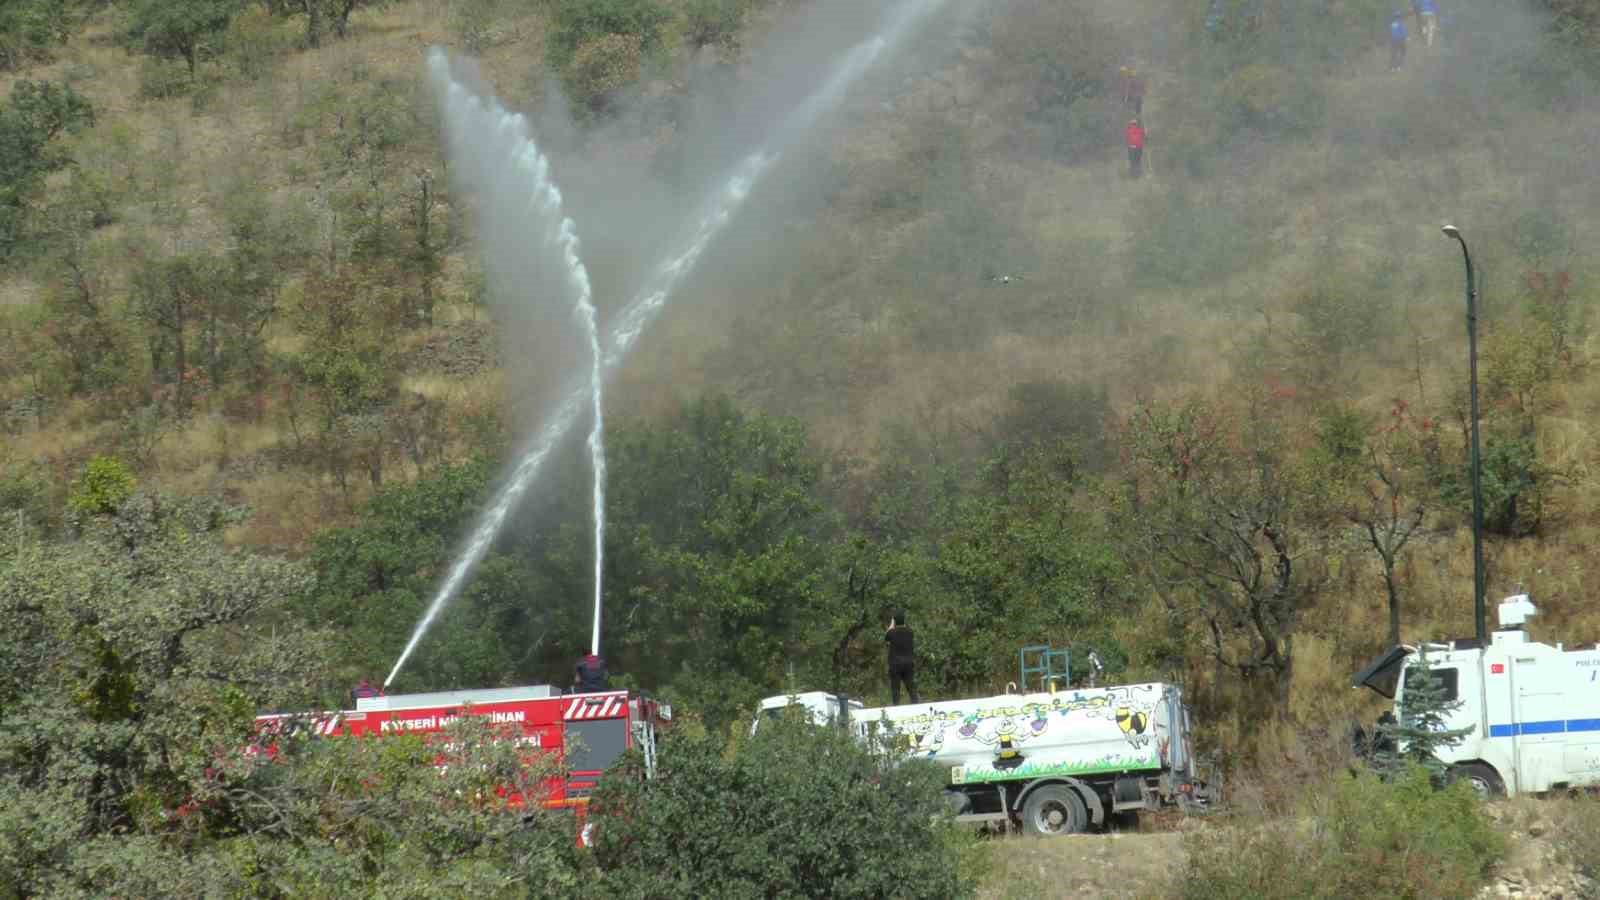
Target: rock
1536	830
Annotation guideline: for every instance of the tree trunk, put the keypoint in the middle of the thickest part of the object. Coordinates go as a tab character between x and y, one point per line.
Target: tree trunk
180	353
313	10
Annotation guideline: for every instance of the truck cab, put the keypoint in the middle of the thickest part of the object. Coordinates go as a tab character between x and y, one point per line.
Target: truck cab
822	707
1533	708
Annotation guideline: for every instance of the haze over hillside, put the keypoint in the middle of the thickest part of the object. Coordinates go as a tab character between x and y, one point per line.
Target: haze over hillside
953	356
236	267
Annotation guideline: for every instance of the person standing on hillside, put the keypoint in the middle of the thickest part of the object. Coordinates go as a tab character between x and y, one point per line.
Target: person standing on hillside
902	658
1135	149
1397	42
1427	20
1133	89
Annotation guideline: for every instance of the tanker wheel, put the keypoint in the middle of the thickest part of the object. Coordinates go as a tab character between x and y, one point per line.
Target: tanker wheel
1054	809
1485	781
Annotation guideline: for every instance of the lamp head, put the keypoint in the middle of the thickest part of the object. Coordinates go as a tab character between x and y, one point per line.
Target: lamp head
1450	231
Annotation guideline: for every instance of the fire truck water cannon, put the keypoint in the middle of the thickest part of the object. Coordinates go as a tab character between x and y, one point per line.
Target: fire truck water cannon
589	731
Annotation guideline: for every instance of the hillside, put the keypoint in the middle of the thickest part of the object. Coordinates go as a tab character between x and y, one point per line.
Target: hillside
948	359
269	351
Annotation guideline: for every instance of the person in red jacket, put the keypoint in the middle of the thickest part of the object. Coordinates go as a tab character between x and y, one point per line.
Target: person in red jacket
1135	149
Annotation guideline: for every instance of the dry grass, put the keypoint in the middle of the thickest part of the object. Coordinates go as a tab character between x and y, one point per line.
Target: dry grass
1129	865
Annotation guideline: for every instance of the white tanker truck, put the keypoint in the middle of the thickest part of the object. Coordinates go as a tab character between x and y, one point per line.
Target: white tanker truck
1052	761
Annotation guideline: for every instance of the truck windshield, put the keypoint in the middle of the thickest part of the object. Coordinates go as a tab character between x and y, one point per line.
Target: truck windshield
1447	678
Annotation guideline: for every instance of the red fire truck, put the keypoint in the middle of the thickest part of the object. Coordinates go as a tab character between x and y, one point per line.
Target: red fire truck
597	727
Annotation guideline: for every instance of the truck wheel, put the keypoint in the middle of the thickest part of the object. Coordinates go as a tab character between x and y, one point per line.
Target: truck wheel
1054	809
1485	781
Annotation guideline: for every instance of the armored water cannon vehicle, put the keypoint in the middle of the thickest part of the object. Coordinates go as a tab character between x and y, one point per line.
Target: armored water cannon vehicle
1053	761
1533	709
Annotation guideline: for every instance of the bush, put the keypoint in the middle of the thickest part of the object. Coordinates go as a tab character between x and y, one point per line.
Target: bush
602	67
475	23
160	79
1352	837
1577	836
797	811
31	29
580	22
1271	100
708	22
1181	239
256	40
102	487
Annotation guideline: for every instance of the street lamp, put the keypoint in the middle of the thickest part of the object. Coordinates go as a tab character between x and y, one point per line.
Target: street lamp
1454	233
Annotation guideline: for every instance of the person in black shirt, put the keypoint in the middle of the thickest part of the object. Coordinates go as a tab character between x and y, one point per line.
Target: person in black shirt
902	657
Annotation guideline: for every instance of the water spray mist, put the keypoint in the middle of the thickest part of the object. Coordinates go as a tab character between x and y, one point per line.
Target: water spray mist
648	303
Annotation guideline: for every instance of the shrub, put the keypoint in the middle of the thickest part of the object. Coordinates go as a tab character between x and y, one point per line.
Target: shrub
708	22
1577	836
1271	100
160	79
30	29
102	487
796	811
1352	837
602	67
474	22
1181	239
580	22
256	40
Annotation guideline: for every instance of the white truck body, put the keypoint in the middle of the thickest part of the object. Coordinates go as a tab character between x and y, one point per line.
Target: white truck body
1094	731
1058	761
1534	709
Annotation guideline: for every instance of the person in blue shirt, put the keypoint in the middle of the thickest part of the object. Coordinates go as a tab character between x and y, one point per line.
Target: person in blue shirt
1427	20
1397	42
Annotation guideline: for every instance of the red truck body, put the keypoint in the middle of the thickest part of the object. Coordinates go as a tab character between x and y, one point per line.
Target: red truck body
604	725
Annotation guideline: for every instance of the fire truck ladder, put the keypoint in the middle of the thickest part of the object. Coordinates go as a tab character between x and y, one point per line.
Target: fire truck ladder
1048	663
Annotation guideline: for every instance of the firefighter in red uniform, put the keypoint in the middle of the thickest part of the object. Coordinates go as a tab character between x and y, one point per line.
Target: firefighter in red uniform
364	690
590	676
1135	149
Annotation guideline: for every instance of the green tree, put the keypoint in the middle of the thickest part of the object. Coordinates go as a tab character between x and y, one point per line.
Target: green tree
717	551
189	30
93	347
323	14
376	576
129	656
31	29
714	23
174	298
601	68
579	22
345	379
847	823
1421	730
102	488
1020	561
1382	484
37	113
1223	517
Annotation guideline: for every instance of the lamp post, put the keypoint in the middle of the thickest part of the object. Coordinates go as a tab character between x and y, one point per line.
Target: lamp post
1454	233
